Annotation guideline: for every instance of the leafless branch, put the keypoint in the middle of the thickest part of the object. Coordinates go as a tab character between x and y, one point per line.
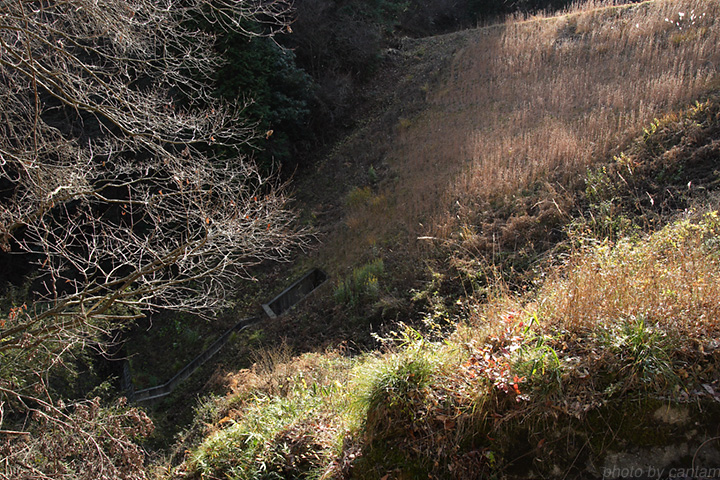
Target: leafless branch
108	180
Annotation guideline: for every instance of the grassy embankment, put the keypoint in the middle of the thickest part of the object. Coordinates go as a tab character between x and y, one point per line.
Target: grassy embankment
524	109
568	135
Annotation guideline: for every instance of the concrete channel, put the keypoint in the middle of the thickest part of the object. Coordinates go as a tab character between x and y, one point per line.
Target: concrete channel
298	290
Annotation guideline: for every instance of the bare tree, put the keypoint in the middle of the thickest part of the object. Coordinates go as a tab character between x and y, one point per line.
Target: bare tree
85	441
110	176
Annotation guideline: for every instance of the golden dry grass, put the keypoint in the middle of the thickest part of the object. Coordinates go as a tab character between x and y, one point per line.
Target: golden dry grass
565	91
671	280
541	99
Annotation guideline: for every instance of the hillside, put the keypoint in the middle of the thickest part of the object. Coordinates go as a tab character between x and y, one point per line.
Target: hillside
522	236
479	115
471	156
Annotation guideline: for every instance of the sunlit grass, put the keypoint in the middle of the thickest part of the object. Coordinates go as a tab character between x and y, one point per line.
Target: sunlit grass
671	280
286	416
540	100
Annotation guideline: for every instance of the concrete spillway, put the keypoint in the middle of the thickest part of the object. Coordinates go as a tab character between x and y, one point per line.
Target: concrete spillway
274	308
294	293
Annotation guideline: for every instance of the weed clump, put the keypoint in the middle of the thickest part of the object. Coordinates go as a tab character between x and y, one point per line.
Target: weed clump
283	419
362	285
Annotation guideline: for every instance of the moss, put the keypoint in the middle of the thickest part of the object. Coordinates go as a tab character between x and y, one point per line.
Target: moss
398	463
646	424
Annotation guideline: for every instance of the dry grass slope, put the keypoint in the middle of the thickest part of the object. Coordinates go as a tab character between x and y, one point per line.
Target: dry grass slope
540	100
621	333
557	94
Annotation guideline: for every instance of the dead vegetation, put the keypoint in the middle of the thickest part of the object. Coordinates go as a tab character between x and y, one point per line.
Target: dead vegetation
569	137
519	113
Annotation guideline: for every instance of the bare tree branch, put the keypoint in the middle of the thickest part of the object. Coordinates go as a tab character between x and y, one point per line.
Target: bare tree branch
109	180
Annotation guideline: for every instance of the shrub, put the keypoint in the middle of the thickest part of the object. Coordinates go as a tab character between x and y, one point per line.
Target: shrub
358	197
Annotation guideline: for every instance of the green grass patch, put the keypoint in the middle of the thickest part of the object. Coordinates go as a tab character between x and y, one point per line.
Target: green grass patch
362	285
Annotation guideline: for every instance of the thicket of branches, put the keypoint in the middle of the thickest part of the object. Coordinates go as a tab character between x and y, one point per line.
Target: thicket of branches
111	184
